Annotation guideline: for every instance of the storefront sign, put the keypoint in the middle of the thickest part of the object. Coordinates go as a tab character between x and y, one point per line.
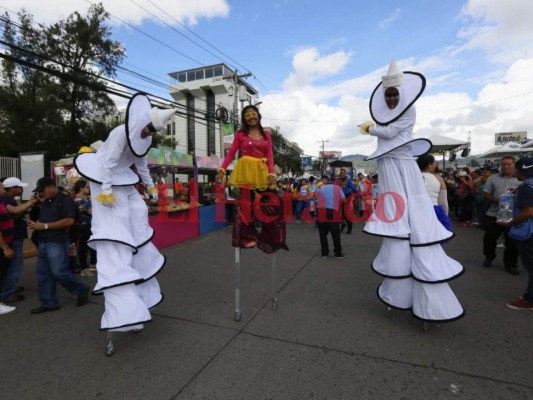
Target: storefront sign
507	137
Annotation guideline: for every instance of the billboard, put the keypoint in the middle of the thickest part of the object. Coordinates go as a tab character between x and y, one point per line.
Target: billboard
306	161
330	155
508	137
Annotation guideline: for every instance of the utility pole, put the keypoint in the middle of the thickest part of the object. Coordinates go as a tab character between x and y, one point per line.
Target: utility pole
323	156
236	78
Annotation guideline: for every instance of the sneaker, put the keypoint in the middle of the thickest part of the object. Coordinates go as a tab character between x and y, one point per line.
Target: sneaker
86	272
4	308
340	256
512	270
299	221
92	268
520	304
487	263
325	257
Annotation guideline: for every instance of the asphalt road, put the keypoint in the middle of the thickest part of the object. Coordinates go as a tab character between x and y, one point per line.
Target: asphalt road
329	338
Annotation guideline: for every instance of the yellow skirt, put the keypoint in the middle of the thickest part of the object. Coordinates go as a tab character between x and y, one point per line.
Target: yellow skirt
251	173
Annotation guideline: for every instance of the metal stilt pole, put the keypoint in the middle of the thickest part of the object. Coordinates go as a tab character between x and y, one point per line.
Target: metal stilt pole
109	346
274	283
237	284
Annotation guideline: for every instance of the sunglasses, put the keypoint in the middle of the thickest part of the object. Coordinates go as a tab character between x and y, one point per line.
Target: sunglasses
250	114
392	96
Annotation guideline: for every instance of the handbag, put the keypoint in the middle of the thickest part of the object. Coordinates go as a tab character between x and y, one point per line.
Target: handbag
521	231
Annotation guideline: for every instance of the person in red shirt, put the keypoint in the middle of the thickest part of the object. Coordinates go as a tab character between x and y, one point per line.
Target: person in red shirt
254	173
7	233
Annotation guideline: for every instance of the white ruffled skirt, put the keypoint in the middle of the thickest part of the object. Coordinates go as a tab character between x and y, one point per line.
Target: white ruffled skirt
411	258
127	259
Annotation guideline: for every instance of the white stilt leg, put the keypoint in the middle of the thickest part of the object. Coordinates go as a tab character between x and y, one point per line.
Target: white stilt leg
109	345
237	284
274	283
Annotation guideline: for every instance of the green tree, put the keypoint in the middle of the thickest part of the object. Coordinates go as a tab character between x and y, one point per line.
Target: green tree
285	159
29	110
52	95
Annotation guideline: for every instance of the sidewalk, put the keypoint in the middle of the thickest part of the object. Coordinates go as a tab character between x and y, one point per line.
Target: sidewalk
330	337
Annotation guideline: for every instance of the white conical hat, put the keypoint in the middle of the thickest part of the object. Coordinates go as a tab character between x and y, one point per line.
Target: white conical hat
160	117
393	77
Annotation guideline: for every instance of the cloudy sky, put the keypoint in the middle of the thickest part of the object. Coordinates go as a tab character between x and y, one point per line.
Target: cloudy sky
315	62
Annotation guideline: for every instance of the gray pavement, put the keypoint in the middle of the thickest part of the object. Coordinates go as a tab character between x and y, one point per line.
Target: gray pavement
330	337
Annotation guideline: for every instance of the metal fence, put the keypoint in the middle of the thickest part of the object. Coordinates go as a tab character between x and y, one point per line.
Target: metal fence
9	166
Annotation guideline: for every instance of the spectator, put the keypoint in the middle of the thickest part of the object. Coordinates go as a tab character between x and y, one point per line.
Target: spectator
10	292
479	181
83	203
330	199
7	232
302	199
56	216
465	195
364	185
495	186
178	189
524	208
312	197
350	192
436	188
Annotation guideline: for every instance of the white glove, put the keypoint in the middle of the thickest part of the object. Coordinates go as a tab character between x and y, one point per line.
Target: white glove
365	127
153	194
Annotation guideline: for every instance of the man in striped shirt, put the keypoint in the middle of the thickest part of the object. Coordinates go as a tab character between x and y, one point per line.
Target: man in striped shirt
494	188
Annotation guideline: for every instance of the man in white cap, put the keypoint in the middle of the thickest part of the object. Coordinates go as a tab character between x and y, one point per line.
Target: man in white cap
10	292
411	258
121	235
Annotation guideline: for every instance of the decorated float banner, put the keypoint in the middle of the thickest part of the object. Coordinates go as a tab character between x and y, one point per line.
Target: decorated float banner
511	137
209	162
168	156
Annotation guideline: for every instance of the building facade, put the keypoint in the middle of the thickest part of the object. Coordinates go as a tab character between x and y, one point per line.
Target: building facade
204	94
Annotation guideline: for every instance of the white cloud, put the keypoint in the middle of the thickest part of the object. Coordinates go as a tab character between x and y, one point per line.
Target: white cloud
502	29
309	65
185	11
387	22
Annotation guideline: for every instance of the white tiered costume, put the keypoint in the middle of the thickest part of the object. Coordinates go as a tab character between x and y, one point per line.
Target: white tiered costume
411	258
127	259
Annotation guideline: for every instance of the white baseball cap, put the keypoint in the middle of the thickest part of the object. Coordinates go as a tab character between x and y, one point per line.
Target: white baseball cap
12	182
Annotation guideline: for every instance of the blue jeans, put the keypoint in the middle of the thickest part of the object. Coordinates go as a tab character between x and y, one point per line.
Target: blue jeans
10	282
300	206
52	266
525	247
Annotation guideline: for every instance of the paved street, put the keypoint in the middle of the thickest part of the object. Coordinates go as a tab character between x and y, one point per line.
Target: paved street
330	337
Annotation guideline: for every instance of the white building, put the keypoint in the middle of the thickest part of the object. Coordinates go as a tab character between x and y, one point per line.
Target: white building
201	92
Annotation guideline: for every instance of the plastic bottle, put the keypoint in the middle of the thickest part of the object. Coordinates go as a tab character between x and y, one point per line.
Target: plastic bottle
505	211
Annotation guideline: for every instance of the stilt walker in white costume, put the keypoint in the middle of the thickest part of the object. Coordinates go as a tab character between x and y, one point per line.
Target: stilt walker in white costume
127	259
411	258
